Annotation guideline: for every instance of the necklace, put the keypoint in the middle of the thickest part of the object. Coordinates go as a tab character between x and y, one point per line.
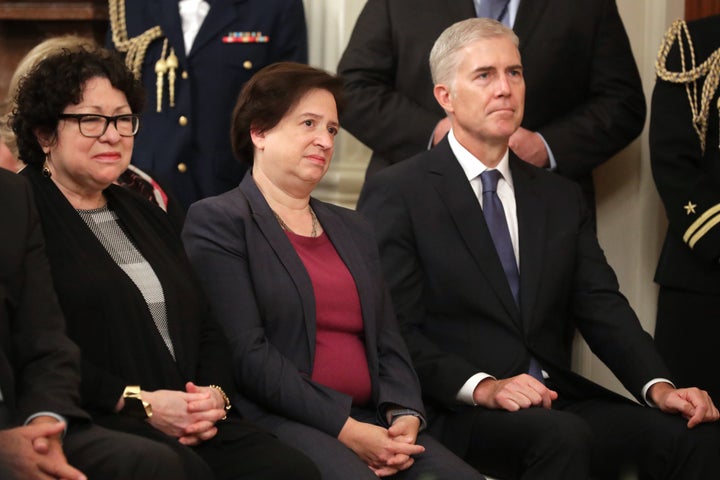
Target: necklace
313	232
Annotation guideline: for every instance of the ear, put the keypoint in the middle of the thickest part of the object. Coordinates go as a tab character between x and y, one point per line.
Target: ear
444	97
258	137
45	140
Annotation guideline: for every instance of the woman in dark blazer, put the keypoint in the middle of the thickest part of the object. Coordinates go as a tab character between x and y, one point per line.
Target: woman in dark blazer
296	284
153	362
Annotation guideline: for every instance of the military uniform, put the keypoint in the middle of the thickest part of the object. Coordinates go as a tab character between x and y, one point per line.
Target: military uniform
687	176
187	146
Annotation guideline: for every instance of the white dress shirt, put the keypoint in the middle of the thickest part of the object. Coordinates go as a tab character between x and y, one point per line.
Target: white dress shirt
192	15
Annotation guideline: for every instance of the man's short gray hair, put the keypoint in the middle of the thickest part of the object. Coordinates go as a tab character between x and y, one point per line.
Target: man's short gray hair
444	58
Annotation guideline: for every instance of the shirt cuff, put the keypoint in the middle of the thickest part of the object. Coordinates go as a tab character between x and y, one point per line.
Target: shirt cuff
465	394
551	157
649	384
57	417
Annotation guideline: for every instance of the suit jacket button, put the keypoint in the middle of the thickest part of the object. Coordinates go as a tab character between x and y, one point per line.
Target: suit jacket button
247	65
184	75
182	121
182	168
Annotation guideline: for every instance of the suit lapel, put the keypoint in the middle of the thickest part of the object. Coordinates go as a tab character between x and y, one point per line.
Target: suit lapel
531	213
276	237
455	191
222	13
527	19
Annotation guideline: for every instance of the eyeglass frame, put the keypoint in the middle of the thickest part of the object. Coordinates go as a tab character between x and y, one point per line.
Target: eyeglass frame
108	119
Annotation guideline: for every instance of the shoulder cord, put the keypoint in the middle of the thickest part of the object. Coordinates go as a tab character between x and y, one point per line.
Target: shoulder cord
136	47
709	68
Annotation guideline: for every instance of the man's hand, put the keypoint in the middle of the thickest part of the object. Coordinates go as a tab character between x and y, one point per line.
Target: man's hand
384	454
529	147
692	403
34	452
514	393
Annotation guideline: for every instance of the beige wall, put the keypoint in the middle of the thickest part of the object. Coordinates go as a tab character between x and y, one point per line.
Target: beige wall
631	221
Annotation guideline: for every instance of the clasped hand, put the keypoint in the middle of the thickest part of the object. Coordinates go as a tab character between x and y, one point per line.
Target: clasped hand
385	451
34	451
514	393
189	416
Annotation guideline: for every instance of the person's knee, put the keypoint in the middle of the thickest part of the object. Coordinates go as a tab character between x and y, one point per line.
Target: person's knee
679	452
292	464
567	435
701	442
149	459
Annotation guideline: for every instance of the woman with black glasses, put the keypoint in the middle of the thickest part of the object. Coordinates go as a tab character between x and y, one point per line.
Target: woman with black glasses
153	362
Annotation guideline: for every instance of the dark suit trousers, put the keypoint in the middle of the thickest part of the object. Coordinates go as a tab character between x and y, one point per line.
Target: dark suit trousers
598	438
337	462
107	454
238	451
686	334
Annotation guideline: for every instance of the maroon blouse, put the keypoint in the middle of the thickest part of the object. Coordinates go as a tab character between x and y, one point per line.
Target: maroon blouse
340	358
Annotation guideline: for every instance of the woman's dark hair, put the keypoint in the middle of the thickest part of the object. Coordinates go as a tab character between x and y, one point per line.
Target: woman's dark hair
58	81
269	95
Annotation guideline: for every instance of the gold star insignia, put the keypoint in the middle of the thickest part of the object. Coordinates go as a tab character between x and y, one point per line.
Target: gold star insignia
690	207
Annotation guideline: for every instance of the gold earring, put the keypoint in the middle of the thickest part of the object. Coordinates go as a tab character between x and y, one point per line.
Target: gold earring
45	169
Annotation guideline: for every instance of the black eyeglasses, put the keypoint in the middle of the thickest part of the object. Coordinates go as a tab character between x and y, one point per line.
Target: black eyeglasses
94	126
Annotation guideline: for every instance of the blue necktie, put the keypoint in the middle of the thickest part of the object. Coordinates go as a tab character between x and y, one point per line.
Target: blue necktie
497	224
495	9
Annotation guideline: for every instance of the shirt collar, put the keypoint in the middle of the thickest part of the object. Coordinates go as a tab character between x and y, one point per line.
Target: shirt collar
472	166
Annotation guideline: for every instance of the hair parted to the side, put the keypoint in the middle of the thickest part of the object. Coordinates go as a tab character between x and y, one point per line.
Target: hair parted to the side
444	56
270	94
58	81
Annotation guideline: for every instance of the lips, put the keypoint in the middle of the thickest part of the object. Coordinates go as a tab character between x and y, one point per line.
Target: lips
508	110
108	156
316	158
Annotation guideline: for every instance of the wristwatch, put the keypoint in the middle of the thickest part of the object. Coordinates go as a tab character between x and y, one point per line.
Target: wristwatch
135	406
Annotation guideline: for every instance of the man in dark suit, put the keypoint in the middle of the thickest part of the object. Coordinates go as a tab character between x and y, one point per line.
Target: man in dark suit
493	263
184	142
584	96
39	371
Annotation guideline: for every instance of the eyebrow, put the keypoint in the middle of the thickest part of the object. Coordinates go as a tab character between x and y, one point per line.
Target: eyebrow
97	108
489	68
317	117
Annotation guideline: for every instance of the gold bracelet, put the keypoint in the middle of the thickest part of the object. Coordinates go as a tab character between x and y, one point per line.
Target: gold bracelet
224	397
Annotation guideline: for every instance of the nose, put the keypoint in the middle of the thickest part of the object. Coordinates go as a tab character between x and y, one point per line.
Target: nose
325	139
111	134
502	86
